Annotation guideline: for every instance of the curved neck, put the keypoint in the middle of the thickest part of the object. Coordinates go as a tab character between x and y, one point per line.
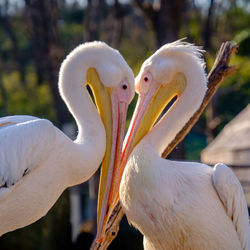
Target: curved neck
185	106
83	156
74	92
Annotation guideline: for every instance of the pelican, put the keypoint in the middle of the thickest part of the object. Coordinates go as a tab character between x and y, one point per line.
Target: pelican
177	205
37	161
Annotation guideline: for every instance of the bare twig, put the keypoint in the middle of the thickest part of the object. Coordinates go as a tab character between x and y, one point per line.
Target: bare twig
217	74
112	228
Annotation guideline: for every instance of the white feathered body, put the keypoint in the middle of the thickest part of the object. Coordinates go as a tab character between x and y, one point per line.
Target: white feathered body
37	162
181	205
175	204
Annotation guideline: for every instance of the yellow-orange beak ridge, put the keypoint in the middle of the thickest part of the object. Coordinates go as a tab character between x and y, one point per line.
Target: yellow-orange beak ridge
109	175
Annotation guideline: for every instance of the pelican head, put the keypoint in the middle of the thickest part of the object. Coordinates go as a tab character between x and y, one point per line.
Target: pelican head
111	80
172	71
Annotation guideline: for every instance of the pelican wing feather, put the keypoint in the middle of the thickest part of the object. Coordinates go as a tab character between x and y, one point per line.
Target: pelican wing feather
24	142
232	196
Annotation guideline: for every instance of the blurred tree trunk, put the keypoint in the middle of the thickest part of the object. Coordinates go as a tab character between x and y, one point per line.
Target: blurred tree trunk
95	12
17	54
117	25
212	121
47	52
91	24
208	26
164	17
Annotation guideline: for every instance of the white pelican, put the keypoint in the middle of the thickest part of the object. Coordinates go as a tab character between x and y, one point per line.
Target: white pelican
177	205
37	161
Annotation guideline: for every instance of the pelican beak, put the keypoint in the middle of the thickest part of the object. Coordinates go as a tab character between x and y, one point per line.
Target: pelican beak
148	109
113	113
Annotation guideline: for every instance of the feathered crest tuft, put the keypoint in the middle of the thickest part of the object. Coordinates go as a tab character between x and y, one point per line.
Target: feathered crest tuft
183	47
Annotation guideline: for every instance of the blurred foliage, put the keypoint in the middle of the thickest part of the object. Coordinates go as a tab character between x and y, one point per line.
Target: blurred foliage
30	99
243	39
21	93
239	97
193	144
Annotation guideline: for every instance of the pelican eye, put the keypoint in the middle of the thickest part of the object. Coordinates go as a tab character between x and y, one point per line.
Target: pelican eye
124	86
145	78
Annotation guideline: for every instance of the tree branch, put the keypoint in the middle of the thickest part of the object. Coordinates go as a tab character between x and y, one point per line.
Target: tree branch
217	74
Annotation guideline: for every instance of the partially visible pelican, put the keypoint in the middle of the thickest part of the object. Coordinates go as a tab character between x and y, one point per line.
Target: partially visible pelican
37	161
177	205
